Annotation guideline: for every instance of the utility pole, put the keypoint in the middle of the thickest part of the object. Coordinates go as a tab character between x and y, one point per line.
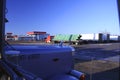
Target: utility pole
2	27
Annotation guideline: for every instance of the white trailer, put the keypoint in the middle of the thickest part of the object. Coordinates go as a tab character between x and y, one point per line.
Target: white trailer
95	37
114	38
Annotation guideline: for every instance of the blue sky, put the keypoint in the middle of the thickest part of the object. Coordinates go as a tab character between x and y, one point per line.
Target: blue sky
62	16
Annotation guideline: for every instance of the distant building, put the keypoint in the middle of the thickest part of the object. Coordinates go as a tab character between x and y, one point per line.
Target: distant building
45	37
115	38
39	36
31	36
9	36
26	38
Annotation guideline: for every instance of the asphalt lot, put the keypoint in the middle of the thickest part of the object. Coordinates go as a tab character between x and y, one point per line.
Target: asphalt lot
98	61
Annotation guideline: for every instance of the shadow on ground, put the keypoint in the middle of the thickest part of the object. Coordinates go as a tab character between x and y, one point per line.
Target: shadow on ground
112	74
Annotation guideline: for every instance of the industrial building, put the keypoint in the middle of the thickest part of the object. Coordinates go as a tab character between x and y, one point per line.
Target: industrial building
115	38
25	38
9	36
87	38
38	35
30	36
73	38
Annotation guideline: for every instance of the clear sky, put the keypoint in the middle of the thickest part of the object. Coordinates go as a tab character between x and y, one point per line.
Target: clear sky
62	16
